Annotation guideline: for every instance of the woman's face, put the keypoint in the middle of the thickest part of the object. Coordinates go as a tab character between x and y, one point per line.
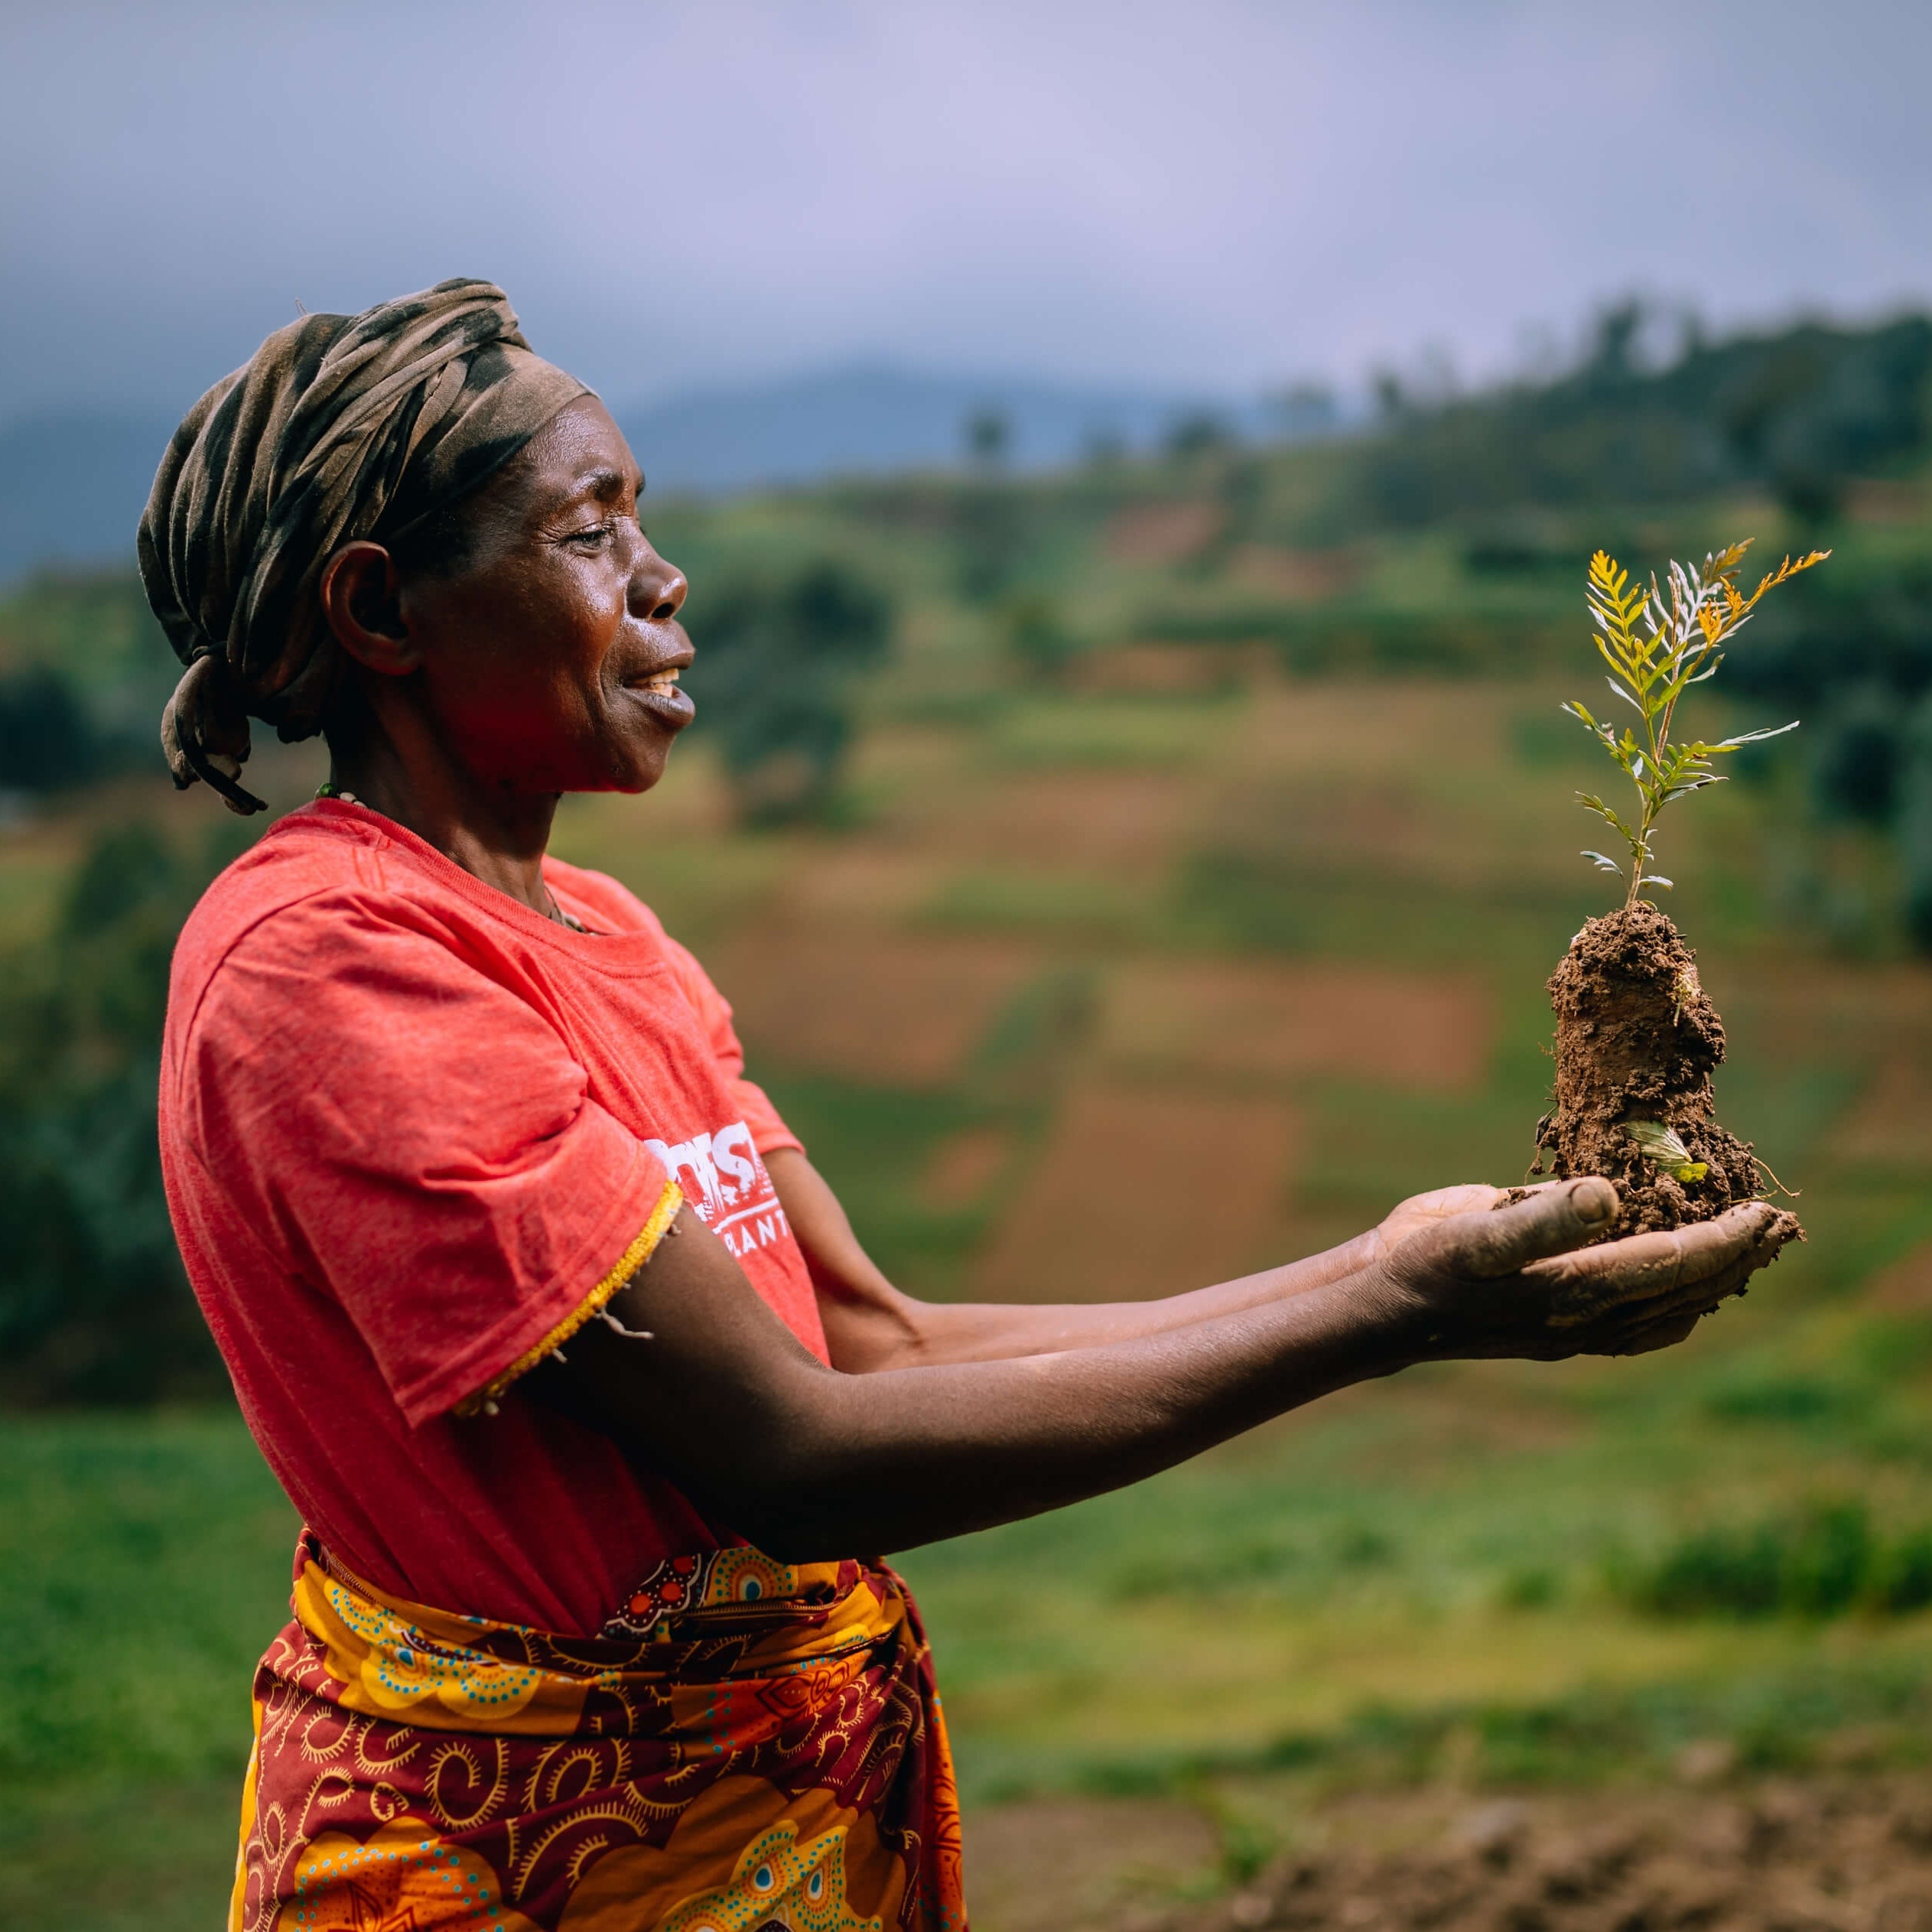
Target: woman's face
549	658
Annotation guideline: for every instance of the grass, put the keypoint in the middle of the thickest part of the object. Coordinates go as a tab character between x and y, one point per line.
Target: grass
147	1564
1487	1572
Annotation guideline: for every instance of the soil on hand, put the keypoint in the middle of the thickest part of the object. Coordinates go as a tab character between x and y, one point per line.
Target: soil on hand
1637	1041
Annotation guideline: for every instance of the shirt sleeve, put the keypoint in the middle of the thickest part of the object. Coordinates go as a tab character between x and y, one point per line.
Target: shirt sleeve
768	1132
417	1142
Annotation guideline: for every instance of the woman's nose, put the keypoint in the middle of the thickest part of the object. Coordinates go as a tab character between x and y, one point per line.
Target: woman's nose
658	588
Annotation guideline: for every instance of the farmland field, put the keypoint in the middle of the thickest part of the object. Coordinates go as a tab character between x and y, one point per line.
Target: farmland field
1071	993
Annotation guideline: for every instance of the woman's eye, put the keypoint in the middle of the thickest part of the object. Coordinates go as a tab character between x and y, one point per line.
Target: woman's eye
597	534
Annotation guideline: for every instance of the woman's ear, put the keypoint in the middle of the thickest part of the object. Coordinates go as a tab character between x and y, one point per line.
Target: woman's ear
361	597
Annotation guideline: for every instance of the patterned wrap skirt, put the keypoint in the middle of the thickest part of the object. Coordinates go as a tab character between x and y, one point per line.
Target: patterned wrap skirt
748	1744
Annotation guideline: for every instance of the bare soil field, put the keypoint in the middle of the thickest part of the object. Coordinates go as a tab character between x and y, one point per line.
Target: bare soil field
1163	533
1382	730
1822	1858
867	881
964	1166
899	1009
1105	819
1295	576
1815	1856
1905	1288
1142	1192
1892	1124
1166	668
1231	1018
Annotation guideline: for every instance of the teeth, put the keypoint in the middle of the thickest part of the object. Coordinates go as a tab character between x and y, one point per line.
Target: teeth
664	681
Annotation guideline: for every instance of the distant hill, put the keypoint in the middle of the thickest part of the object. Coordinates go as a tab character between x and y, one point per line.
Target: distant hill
856	421
73	483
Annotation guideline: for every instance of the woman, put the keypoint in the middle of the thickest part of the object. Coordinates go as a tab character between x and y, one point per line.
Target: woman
593	1405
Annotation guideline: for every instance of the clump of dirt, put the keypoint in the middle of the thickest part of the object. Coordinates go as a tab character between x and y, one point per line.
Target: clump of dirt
1850	1859
1637	1041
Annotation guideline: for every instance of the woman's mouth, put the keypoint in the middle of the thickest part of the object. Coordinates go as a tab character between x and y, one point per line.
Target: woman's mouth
661	693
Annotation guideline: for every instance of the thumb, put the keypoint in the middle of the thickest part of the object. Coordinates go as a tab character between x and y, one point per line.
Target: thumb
1552	1220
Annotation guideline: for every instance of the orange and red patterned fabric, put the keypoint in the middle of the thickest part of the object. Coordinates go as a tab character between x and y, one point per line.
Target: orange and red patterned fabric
747	1745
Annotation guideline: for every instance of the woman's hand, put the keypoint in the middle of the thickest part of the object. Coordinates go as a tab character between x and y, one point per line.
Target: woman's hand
1425	1211
1484	1280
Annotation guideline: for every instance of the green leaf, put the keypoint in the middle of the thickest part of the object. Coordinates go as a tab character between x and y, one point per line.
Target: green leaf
1754	737
1658	1143
1605	813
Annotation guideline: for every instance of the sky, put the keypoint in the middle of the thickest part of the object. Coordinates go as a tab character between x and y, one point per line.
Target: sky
1221	196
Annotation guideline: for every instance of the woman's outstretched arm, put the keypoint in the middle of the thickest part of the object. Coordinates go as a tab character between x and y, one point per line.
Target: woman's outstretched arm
810	1463
870	1325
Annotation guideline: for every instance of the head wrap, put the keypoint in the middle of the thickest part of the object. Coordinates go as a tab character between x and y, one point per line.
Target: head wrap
339	426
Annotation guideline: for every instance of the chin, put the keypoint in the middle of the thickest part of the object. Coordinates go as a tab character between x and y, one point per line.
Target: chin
636	772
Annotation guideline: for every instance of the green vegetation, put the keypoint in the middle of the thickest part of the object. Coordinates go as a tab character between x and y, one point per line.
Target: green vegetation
92	1304
147	1561
1650	670
1822	1562
779	662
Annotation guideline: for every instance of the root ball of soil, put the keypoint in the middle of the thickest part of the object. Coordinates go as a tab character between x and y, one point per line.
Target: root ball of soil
1637	1041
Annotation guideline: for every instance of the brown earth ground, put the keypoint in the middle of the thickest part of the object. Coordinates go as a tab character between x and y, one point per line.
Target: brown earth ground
1294	576
901	1010
1102	820
1821	1855
1141	1192
1163	533
1284	1021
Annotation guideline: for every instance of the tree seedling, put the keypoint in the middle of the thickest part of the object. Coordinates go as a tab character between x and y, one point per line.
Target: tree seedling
1638	1038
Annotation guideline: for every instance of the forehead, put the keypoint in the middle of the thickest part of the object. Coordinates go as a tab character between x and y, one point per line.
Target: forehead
580	451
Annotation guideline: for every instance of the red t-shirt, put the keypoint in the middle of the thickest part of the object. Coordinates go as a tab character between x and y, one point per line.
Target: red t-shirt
408	1127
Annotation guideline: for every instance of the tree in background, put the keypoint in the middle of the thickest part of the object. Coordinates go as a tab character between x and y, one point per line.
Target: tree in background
1304	409
1197	433
988	438
1799	412
778	659
93	1305
1914	825
1037	635
987	518
47	741
1854	658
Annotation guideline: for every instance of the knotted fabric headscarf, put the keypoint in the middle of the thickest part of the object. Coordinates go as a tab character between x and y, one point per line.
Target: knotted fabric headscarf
339	428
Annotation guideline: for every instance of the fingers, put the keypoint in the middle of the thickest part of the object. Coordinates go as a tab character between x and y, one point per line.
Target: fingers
1503	1240
1657	1271
1634	1328
1655	1336
1468	1197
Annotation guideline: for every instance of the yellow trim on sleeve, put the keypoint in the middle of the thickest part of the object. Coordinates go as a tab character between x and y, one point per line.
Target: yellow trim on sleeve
632	1258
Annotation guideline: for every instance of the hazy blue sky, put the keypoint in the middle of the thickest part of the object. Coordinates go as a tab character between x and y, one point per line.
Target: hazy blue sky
1208	193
